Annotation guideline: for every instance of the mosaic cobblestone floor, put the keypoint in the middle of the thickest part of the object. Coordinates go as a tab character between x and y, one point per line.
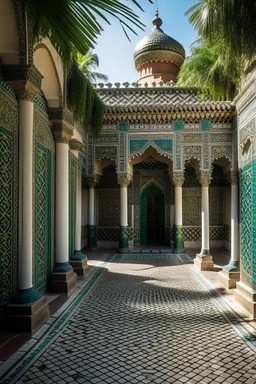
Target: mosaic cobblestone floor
144	321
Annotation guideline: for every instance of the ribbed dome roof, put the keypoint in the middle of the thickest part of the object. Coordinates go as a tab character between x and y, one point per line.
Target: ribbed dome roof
157	40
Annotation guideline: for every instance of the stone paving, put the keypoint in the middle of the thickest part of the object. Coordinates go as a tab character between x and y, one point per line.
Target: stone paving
145	320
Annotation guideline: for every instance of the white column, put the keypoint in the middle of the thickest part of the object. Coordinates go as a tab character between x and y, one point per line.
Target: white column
26	109
205	220
62	203
234	224
178	205
123	206
91	205
78	217
178	180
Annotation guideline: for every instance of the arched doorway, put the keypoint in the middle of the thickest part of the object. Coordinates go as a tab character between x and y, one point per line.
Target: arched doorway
152	216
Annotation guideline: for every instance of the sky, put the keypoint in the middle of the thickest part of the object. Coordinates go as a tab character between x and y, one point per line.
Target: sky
116	52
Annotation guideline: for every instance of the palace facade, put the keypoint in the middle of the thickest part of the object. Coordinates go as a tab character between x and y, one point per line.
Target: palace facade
168	169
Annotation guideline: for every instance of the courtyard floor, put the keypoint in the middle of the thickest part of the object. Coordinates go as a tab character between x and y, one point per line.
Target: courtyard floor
146	317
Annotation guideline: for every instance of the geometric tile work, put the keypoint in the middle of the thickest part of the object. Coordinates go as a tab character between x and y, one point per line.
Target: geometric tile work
6	214
43	215
145	322
112	234
109	207
84	232
194	233
72	191
246	220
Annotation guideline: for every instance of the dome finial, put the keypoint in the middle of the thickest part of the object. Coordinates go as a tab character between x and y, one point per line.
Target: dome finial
157	22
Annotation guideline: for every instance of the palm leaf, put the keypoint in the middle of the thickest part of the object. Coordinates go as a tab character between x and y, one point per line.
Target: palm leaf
73	25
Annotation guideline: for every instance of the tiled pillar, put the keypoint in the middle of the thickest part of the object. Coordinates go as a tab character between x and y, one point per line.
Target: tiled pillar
28	310
204	260
178	180
123	180
230	274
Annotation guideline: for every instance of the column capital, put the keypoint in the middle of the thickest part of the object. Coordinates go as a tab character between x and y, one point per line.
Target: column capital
24	79
205	178
124	179
178	178
75	144
91	181
62	124
233	177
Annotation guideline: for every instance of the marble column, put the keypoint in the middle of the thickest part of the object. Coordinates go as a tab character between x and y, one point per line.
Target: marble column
204	260
178	180
123	181
230	274
63	278
92	228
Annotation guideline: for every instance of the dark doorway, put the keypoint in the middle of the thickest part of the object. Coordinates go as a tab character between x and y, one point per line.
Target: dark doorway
152	216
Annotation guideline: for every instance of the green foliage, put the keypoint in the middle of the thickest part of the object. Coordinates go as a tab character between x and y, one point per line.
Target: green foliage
87	64
73	25
231	21
83	100
210	69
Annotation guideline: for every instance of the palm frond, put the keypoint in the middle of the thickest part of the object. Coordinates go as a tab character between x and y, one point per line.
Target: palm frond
211	69
74	25
232	21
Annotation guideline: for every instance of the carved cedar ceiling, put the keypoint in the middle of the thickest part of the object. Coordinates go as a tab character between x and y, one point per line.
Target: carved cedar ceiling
161	104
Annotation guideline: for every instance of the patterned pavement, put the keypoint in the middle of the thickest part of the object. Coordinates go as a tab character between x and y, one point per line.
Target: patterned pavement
145	319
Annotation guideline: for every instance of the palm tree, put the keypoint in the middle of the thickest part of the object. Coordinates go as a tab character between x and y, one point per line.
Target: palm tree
232	21
209	69
73	25
87	65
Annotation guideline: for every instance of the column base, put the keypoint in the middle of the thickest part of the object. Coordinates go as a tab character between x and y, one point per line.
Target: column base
233	266
228	279
26	296
123	250
27	317
246	297
78	255
204	263
64	282
62	267
80	267
91	249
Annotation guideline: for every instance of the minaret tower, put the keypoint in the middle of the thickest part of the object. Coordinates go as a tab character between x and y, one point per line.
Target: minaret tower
158	57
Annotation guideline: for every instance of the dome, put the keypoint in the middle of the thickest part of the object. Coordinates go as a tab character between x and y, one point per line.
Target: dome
158	46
